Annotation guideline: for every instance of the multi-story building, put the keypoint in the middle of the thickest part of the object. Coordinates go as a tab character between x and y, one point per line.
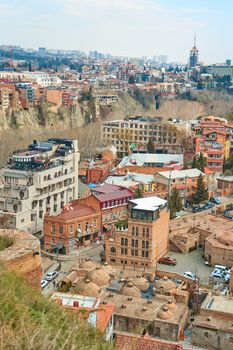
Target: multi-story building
146	238
130	133
184	180
213	141
4	99
193	58
77	225
39	180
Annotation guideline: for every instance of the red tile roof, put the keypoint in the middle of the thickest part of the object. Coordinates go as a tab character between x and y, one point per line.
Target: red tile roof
104	314
75	211
106	188
132	342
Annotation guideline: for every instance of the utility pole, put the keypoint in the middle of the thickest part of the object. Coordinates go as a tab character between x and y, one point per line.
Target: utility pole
169	185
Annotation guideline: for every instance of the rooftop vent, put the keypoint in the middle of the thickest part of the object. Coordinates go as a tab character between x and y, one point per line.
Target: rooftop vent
104	302
149	301
87	280
144	309
129	298
110	295
123	306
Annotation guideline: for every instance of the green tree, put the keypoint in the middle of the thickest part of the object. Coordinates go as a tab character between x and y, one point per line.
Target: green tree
199	162
175	202
131	79
150	146
138	192
201	193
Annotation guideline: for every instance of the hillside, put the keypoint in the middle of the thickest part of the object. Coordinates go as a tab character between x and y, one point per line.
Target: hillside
28	321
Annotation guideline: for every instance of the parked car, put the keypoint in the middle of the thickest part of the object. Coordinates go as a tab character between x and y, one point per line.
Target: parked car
51	275
217	274
43	283
208	205
227	277
197	209
221	268
167	261
190	275
215	200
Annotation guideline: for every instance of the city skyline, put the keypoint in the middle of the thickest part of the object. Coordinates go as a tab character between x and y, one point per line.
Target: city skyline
133	28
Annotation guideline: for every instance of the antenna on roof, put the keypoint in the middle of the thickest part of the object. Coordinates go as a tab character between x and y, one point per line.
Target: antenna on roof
195	39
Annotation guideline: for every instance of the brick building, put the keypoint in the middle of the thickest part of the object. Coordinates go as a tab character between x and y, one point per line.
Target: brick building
113	201
77	225
225	185
146	238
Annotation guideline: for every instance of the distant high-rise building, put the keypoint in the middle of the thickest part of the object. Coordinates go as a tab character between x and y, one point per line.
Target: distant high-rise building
163	59
42	50
193	58
228	62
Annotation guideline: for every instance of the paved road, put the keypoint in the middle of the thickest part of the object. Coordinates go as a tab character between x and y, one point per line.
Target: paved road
192	262
92	252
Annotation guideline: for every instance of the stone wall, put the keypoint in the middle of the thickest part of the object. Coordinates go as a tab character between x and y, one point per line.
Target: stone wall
23	256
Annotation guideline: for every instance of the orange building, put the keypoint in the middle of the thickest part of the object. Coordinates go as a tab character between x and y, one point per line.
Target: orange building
146	238
213	140
77	225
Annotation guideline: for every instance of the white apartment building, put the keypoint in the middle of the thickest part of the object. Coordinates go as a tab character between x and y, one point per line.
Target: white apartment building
136	132
41	78
38	180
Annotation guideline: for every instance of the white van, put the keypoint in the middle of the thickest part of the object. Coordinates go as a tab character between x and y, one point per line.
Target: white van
221	268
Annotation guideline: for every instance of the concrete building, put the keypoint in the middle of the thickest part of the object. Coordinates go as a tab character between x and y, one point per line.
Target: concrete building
39	180
213	140
213	327
184	180
146	238
172	161
100	316
41	78
131	133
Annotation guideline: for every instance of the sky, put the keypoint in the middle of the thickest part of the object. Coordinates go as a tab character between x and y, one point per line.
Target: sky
132	28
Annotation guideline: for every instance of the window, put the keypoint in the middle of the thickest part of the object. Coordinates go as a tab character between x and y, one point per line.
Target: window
55	207
143	244
71	229
133	231
132	252
60	230
147	232
87	226
113	250
53	229
132	243
147	244
143	232
206	334
136	252
136	231
136	243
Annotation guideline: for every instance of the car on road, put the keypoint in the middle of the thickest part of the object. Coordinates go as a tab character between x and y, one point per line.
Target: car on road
221	268
51	275
217	274
215	200
167	261
190	275
208	205
197	209
43	283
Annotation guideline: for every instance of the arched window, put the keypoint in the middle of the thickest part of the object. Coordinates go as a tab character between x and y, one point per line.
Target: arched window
147	232
136	231
143	232
126	241
143	244
45	178
147	244
133	231
136	243
132	243
113	250
65	171
122	241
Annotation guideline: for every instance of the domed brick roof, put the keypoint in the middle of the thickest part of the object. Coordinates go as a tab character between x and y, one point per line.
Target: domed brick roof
226	238
164	284
99	276
88	264
165	313
87	288
130	290
141	283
